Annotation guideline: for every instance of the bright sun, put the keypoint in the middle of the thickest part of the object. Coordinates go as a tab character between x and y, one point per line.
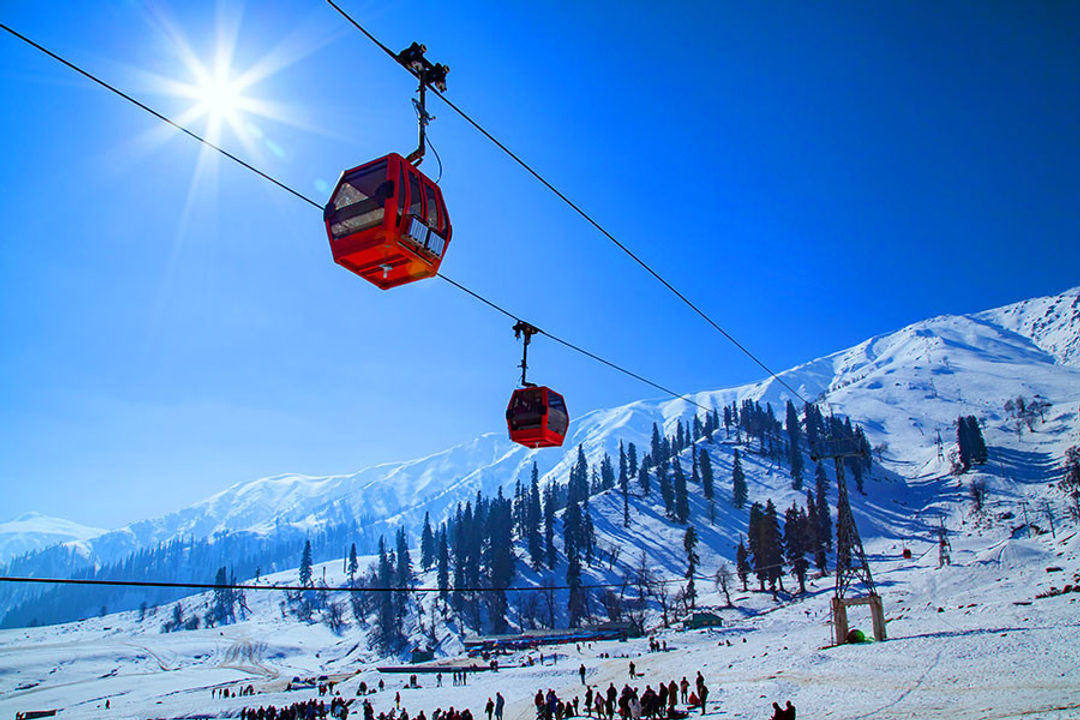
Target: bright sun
219	97
219	91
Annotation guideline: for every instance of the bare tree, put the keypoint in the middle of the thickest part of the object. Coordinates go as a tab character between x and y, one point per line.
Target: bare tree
880	449
613	552
613	604
978	494
549	600
1048	511
333	616
724	580
659	590
680	603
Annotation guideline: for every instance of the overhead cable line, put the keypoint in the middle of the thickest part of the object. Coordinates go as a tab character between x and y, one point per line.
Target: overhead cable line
314	203
578	209
304	588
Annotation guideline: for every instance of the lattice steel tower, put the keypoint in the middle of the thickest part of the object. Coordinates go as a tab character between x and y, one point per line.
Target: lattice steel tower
852	566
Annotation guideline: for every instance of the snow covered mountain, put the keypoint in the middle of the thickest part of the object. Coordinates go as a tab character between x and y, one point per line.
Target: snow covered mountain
34	531
903	387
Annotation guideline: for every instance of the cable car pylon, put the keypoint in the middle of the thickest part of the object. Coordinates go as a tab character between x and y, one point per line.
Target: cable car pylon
851	564
387	221
536	416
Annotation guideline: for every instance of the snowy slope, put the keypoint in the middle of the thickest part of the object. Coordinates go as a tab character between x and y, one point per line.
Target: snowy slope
969	641
34	531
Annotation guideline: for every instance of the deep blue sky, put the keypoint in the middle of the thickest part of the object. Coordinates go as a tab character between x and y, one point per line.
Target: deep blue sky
810	174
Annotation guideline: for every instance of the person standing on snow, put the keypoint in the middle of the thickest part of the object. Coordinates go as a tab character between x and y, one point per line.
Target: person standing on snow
500	703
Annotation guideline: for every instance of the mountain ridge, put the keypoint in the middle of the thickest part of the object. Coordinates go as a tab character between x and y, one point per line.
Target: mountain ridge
1031	346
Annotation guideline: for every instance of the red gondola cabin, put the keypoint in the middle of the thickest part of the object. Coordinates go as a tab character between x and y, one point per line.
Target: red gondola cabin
387	222
537	417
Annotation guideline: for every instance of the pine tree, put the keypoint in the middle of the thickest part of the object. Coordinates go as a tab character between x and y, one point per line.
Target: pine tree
549	528
655	447
624	485
501	561
403	575
739	490
427	544
576	606
573	531
631	459
442	563
707	486
756	547
682	503
354	563
815	544
666	492
742	558
795	541
607	473
814	425
222	609
690	540
386	619
533	521
772	546
305	565
970	443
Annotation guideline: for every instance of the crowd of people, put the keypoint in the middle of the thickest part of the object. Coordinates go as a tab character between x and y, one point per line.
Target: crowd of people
226	692
672	699
303	710
400	713
632	703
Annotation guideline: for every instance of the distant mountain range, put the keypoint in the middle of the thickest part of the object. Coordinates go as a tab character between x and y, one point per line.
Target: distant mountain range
34	531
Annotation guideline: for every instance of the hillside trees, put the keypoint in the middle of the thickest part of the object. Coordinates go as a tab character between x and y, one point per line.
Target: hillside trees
742	563
305	564
681	502
387	635
690	541
738	483
971	447
707	483
427	544
534	516
353	565
667	494
796	543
